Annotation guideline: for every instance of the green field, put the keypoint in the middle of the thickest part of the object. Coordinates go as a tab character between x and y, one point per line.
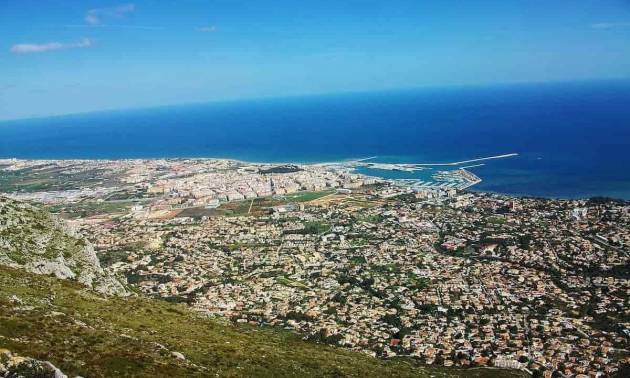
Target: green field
307	196
50	179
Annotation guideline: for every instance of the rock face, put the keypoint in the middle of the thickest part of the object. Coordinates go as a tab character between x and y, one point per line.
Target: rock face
32	239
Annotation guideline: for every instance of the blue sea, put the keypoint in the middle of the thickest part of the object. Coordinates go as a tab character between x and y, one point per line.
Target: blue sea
573	139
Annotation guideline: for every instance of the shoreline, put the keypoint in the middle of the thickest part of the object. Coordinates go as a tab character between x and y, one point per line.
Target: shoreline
342	161
352	165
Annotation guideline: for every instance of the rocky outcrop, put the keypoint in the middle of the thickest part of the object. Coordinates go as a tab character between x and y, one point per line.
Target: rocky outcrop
14	366
34	240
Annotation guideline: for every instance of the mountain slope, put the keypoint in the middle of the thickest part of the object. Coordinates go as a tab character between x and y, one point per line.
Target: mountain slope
84	333
32	239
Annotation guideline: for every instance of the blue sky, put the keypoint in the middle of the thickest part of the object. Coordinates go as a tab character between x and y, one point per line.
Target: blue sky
60	57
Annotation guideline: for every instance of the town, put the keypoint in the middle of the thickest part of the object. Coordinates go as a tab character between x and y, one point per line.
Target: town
445	276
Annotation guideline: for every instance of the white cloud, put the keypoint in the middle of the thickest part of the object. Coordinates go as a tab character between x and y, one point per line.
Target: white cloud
95	16
207	29
116	26
610	25
29	48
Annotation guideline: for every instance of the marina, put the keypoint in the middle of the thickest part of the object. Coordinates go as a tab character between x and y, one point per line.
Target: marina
420	176
459	179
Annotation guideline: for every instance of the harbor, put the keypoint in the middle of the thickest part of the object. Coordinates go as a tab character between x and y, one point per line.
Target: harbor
459	179
422	176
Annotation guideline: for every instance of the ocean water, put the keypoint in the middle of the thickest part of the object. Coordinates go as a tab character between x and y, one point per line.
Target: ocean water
573	139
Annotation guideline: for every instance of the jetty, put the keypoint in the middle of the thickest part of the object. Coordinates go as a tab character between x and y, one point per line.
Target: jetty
469	161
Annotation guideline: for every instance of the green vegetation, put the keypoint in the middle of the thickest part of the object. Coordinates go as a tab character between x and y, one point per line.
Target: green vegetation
33	239
416	283
368	218
307	196
359	241
113	256
86	334
287	168
385	269
358	260
23	181
496	220
256	207
316	227
89	208
35	235
311	228
289	282
48	178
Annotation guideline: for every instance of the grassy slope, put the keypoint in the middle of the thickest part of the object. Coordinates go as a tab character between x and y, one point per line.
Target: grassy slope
86	334
93	336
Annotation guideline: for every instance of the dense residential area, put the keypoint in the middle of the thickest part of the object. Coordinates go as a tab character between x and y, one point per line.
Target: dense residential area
450	278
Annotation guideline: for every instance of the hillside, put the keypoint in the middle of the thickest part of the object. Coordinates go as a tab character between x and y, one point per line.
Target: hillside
88	334
37	242
49	311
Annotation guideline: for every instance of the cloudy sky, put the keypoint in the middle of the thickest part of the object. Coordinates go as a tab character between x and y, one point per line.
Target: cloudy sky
60	57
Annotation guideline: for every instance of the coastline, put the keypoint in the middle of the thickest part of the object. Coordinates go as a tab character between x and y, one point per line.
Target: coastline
356	166
560	155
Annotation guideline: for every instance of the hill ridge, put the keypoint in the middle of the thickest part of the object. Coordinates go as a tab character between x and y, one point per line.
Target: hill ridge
38	242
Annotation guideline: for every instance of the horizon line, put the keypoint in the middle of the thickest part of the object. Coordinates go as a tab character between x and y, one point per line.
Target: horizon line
314	94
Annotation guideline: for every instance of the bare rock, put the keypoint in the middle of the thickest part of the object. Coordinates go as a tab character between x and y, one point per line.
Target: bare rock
14	366
178	355
34	240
